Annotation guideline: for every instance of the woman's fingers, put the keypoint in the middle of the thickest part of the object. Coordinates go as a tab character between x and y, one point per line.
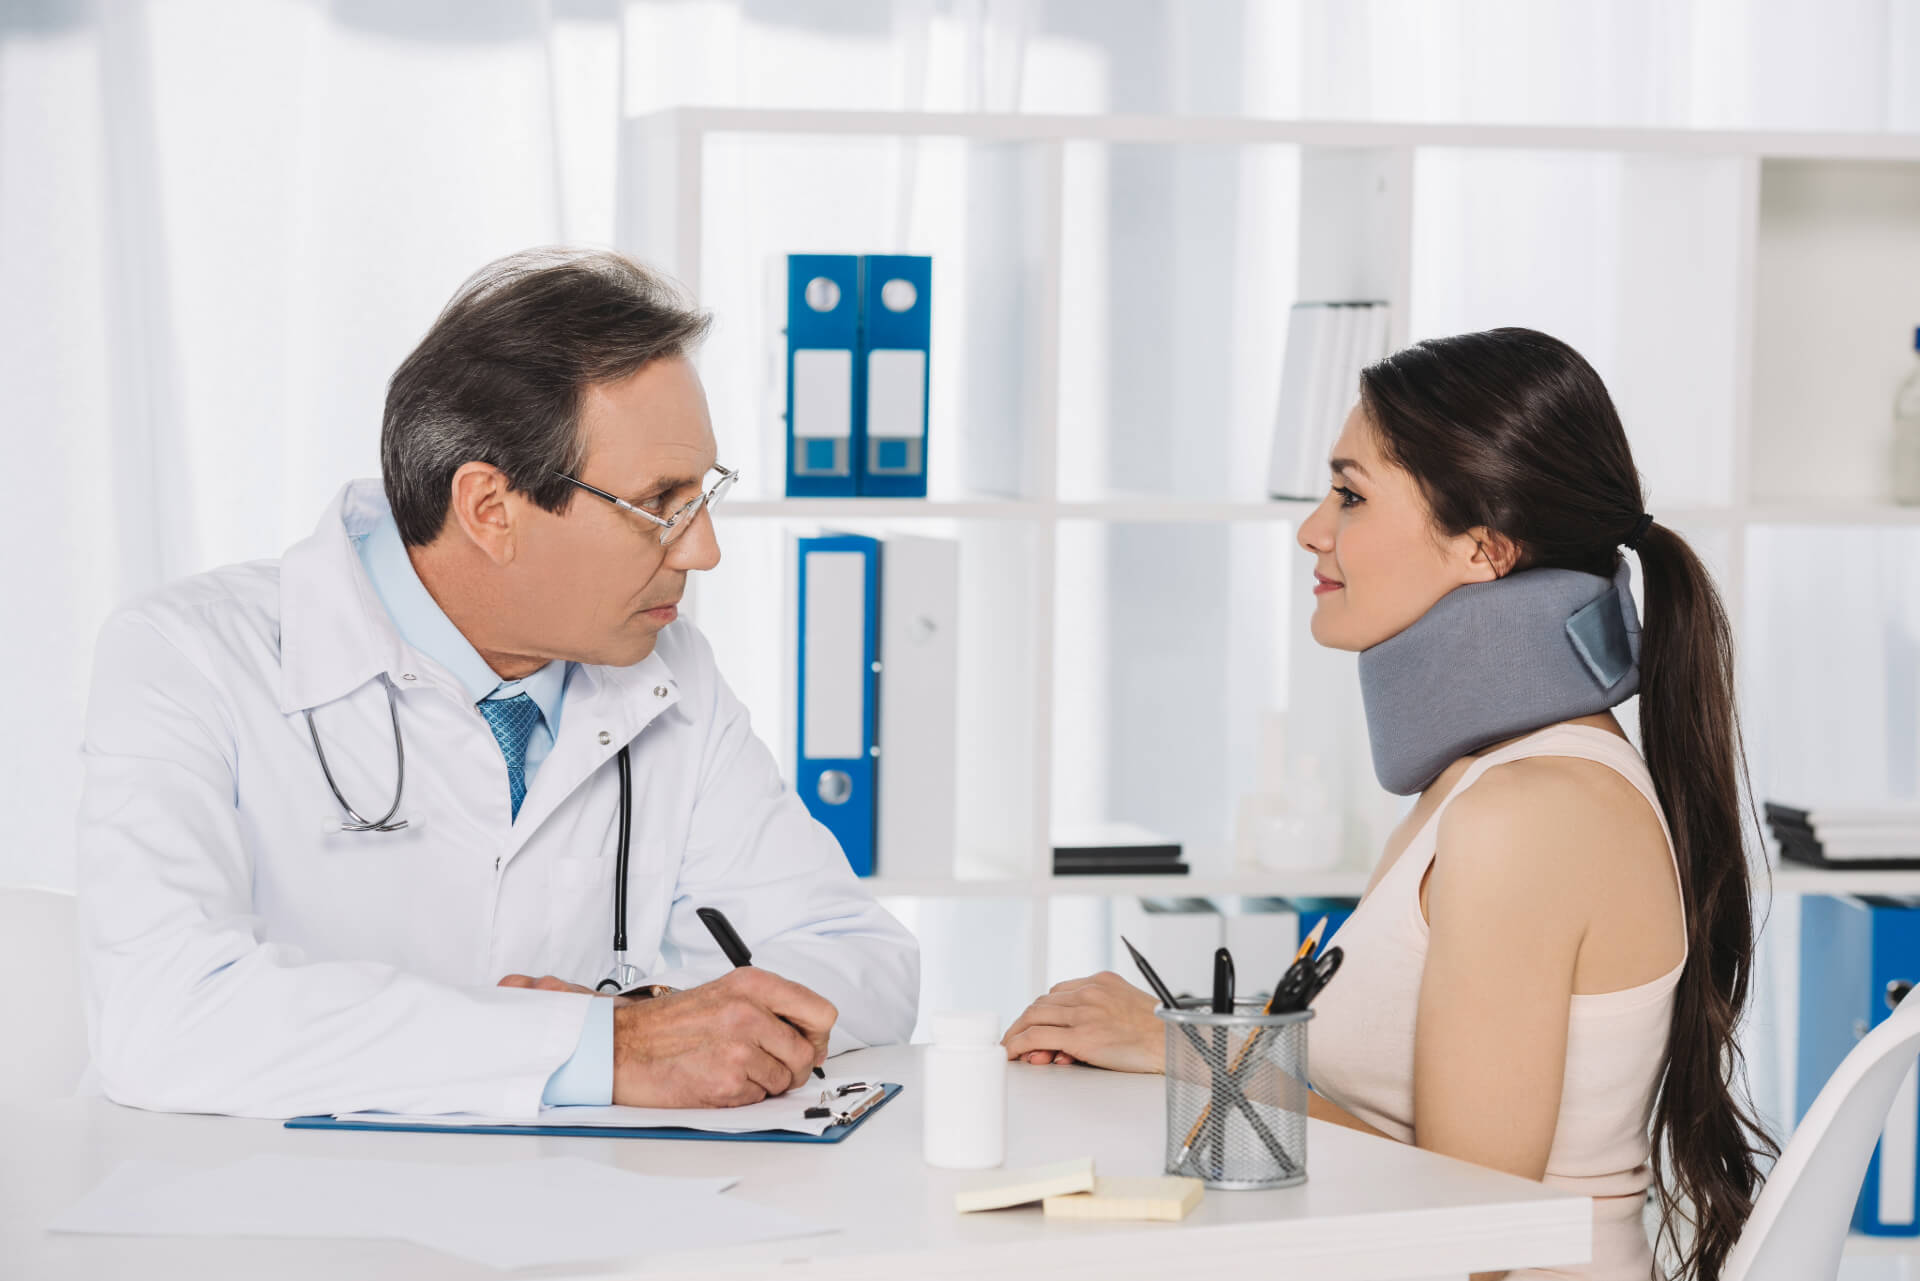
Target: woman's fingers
1101	1020
1041	1037
1042	1012
1049	1058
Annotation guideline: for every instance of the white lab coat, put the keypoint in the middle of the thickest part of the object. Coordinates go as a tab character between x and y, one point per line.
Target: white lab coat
243	958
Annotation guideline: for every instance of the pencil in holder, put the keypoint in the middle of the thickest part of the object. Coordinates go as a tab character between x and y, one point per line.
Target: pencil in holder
1237	1096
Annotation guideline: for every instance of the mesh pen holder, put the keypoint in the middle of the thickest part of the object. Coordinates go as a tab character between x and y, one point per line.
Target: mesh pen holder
1237	1096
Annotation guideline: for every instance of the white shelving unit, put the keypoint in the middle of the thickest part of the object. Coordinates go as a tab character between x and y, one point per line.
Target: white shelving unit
1789	879
1110	296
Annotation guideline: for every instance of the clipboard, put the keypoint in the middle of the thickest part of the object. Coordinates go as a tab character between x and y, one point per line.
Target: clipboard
857	1117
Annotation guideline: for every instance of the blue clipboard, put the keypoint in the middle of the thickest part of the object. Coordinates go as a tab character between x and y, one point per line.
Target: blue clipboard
832	1134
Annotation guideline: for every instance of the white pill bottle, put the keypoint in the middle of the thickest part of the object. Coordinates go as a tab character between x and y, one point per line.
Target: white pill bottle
964	1111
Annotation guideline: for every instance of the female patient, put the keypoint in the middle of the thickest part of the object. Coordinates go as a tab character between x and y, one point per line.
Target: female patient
1546	971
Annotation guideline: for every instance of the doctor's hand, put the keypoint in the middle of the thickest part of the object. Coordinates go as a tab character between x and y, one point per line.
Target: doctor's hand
719	1045
1103	1020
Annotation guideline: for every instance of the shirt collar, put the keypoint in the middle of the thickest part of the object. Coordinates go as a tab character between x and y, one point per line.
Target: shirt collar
425	626
336	633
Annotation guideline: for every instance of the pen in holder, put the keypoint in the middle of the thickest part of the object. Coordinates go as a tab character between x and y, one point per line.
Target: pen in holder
1237	1096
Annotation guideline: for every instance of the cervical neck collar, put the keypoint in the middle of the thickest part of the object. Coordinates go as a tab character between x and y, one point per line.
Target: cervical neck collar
1493	660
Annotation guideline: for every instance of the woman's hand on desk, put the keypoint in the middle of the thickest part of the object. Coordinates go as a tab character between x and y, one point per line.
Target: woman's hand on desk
1103	1020
746	1035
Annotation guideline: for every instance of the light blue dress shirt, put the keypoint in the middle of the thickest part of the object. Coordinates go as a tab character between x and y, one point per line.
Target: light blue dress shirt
587	1077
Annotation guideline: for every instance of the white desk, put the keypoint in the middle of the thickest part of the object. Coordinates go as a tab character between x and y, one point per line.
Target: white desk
1370	1210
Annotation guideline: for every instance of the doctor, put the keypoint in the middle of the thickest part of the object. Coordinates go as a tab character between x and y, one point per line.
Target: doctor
341	809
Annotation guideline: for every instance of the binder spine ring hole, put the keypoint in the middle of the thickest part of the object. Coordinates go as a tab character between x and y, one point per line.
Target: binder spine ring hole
835	786
899	295
822	294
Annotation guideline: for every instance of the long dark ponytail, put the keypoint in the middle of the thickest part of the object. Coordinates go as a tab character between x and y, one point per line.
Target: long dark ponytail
1512	430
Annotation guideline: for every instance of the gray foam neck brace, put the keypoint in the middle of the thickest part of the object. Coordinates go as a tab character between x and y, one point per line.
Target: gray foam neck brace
1493	660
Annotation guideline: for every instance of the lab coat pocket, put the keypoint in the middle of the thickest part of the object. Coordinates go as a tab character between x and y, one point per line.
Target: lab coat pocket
580	914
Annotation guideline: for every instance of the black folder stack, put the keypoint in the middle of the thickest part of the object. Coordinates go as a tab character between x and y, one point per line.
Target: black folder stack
1856	839
1116	850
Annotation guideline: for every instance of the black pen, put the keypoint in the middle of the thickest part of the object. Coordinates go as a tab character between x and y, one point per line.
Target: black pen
1222	981
736	951
1153	979
1222	1004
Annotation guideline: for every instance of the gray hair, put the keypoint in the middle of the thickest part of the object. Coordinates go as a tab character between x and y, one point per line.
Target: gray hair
500	376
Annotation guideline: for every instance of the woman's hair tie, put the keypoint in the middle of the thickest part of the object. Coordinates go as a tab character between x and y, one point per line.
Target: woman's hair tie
1639	531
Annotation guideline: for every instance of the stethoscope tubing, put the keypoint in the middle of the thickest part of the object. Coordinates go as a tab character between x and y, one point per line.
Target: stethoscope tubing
620	856
386	823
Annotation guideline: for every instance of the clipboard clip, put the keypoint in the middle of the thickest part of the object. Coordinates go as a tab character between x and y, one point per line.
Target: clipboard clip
871	1096
824	1109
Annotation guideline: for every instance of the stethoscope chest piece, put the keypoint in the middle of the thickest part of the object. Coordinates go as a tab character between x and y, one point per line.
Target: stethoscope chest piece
621	978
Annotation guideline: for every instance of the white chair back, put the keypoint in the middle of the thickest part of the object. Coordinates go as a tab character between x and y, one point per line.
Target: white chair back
1799	1223
41	1010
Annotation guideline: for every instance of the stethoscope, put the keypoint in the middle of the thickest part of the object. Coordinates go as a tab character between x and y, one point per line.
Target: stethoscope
622	976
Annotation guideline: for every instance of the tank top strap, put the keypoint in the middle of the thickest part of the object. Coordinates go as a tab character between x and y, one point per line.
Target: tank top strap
1534	744
1584	742
1622	757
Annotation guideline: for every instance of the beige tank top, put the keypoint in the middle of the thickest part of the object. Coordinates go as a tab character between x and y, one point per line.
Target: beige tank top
1361	1039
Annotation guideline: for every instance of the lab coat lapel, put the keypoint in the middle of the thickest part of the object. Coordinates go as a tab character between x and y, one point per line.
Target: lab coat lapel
334	633
335	636
606	709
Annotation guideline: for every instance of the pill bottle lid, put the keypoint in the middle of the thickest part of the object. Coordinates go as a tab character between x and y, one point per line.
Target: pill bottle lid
966	1027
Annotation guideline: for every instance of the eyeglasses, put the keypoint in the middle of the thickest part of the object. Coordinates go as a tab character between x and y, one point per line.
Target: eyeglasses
670	526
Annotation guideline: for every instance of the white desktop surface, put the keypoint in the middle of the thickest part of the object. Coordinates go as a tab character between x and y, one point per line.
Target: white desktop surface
1370	1210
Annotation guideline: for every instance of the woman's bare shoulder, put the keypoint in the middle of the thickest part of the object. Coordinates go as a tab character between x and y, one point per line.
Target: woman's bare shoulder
1576	839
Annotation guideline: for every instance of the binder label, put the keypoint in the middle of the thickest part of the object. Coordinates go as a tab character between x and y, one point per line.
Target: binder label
896	411
836	664
822	412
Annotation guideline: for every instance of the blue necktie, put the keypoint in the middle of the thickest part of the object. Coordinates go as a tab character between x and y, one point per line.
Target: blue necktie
512	721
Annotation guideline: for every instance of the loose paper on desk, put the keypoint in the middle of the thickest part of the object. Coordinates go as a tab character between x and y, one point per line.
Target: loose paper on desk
1164	1197
782	1112
1022	1187
508	1215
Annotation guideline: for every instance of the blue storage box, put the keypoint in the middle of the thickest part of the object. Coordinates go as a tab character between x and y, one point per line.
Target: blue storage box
1858	956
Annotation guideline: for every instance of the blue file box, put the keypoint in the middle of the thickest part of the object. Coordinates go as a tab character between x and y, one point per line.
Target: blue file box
1856	956
1310	910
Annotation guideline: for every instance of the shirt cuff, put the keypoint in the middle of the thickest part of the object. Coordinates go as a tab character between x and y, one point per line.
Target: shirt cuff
587	1077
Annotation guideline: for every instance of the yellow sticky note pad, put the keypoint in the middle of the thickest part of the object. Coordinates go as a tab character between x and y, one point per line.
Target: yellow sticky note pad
1019	1187
1164	1197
